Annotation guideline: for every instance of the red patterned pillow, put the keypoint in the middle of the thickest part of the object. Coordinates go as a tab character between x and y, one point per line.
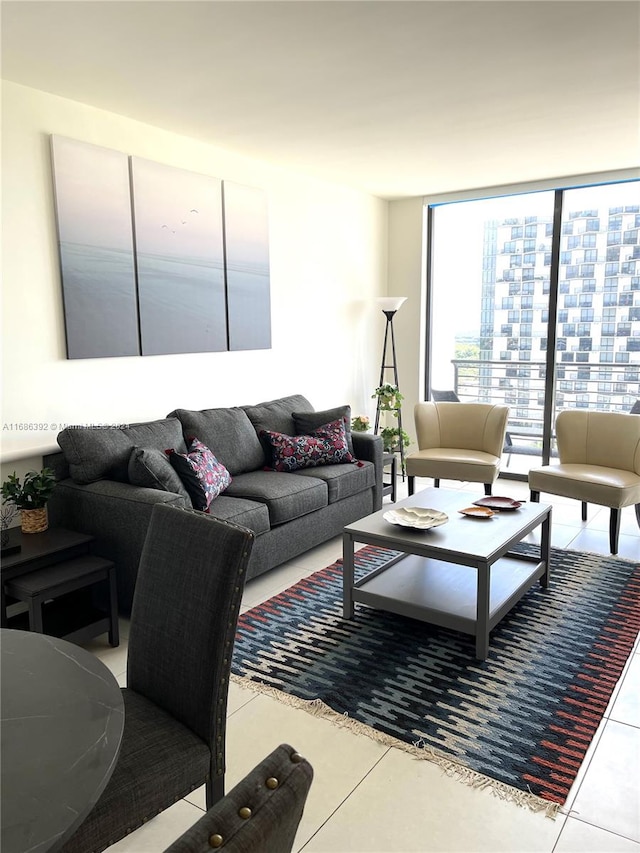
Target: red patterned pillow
326	445
203	476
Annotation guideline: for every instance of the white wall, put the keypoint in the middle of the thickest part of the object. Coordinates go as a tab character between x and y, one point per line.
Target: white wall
406	278
328	248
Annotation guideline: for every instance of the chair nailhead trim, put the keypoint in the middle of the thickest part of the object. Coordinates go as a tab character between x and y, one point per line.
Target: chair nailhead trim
272	783
216	840
296	757
245	813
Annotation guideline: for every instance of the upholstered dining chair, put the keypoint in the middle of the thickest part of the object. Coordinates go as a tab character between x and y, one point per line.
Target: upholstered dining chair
260	815
458	441
183	624
599	455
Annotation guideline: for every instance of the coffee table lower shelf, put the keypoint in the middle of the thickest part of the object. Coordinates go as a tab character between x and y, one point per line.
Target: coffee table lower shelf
445	594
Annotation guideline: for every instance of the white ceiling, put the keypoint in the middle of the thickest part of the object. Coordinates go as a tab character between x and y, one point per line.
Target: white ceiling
393	97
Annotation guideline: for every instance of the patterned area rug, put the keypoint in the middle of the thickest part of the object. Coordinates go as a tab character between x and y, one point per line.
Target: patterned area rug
521	721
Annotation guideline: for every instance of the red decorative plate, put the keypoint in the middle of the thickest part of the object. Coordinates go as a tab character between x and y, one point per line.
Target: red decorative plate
499	503
477	511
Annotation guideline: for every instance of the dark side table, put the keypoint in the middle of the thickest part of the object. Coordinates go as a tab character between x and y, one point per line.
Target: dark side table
57	577
389	487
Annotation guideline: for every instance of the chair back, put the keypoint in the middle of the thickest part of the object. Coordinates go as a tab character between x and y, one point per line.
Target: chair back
607	439
467	426
444	396
184	616
275	792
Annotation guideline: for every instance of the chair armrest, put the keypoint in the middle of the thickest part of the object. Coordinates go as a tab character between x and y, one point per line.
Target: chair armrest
495	430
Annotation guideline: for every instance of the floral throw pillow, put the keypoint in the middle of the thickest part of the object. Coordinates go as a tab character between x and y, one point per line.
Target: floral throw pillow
203	476
326	445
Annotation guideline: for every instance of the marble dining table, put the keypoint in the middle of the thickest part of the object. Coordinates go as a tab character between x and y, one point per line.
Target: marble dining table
61	727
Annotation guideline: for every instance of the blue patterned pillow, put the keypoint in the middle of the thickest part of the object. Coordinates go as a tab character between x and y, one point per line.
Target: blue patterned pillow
203	476
326	445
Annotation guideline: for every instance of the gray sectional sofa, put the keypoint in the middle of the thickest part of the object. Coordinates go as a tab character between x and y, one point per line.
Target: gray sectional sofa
110	479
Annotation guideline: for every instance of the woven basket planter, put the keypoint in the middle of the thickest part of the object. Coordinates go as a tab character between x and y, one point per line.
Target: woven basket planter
34	520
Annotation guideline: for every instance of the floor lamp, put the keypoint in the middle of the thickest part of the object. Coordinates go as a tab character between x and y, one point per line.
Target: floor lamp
389	306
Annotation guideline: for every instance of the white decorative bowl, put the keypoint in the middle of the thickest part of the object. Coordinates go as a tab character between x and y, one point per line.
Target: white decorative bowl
417	517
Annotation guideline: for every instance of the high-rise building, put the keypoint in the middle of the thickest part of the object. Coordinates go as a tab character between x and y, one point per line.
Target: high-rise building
598	311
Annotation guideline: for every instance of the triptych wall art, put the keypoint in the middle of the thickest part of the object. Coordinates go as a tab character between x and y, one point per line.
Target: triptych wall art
157	260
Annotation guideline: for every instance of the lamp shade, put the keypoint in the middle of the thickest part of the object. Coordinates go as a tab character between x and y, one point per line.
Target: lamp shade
390	303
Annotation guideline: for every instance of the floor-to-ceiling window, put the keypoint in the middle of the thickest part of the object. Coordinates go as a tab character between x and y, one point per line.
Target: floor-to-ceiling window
534	302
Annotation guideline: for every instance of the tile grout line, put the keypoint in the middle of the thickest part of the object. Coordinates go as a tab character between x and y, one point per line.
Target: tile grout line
344	800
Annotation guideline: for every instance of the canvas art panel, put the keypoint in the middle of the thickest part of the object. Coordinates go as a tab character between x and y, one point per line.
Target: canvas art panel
178	235
247	267
157	260
95	238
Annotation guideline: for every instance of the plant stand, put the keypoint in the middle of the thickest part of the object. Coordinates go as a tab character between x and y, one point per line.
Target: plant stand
393	366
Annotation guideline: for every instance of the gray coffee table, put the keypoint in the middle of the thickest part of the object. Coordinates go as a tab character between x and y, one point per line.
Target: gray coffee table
461	575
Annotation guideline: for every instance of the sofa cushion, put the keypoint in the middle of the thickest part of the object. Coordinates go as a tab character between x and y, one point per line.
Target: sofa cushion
285	495
277	416
306	423
203	476
326	446
151	469
94	454
251	514
343	480
228	433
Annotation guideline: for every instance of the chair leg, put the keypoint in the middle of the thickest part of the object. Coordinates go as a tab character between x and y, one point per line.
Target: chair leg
436	483
214	790
410	485
614	530
584	510
487	488
508	447
535	497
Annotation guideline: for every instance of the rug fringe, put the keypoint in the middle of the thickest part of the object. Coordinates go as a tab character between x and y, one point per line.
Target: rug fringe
317	708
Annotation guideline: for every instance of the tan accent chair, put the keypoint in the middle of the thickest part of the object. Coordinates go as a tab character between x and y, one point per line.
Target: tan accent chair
599	463
458	441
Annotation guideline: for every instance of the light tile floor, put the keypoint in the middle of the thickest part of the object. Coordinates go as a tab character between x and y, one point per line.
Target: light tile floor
367	798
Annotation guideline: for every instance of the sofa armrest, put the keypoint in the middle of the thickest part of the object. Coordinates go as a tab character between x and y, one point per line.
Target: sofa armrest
117	515
368	447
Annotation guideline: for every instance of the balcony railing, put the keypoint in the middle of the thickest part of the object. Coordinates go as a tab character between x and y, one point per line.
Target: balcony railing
600	386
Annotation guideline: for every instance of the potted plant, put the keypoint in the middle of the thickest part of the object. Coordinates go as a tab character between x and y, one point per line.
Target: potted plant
7	513
389	398
391	436
30	497
360	423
